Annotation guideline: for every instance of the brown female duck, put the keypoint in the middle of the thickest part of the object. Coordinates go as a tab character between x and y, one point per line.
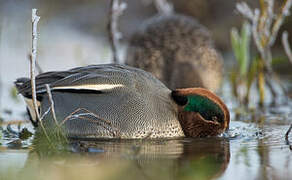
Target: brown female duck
177	50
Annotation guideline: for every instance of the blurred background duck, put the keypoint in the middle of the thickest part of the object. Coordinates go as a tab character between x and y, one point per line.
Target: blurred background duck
117	101
177	50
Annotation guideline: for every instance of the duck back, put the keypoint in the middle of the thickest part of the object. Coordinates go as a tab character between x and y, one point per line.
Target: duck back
107	101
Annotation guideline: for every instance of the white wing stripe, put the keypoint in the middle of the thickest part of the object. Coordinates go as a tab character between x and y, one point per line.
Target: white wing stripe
97	87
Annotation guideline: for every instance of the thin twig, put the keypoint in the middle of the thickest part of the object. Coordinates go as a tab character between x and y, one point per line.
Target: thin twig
286	45
52	104
37	65
35	19
163	7
116	10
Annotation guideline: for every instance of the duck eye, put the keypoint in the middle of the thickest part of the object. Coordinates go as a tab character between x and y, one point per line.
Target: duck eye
214	118
179	99
217	119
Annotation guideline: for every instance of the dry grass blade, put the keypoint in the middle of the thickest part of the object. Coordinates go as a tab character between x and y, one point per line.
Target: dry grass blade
108	127
78	114
52	104
78	110
45	113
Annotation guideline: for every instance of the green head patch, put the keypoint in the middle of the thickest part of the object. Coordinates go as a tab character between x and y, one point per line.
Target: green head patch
205	106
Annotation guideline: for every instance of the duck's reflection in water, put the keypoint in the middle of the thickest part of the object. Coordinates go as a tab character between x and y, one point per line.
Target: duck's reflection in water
204	158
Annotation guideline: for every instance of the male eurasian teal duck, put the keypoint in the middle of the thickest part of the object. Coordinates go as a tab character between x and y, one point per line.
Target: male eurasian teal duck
177	50
118	101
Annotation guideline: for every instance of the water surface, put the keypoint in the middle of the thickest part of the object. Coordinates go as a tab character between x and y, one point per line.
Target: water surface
248	150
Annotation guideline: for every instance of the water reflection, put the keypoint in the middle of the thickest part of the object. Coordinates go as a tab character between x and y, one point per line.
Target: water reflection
152	159
248	151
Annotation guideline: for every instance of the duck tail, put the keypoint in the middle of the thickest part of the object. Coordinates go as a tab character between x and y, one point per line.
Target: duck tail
23	87
22	84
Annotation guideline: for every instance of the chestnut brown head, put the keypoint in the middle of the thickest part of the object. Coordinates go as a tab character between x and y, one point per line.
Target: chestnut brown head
201	113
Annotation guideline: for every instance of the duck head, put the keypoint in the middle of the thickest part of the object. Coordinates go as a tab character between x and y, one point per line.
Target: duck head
200	112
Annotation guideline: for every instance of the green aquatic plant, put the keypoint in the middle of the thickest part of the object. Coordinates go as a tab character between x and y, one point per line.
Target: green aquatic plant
263	26
246	71
240	46
51	143
14	94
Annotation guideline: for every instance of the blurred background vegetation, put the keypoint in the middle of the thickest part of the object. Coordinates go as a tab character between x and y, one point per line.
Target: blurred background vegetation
74	33
89	18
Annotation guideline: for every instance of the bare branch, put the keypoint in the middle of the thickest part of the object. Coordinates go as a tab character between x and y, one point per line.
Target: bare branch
115	12
286	45
35	19
163	7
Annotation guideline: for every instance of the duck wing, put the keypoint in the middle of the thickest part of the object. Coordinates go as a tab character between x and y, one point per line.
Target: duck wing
82	79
